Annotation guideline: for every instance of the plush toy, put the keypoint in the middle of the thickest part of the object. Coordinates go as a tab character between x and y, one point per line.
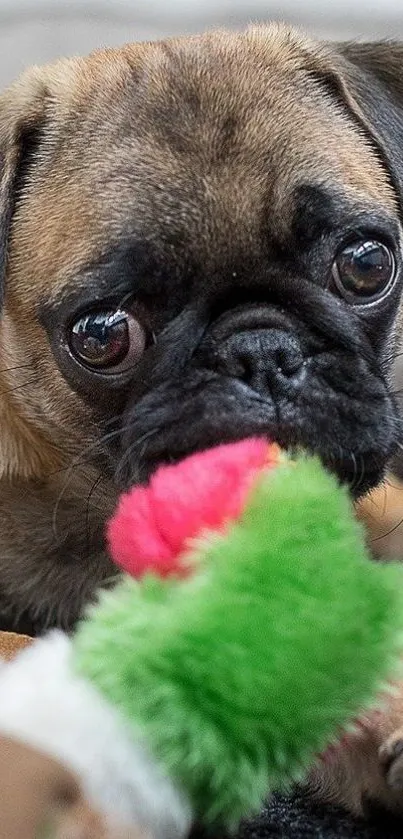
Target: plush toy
249	627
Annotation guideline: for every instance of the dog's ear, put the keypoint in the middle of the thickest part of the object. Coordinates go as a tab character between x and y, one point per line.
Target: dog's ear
370	79
380	60
22	115
367	79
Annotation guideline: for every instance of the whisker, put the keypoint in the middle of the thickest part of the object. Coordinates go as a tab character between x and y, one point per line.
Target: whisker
392	530
362	472
17	367
33	381
80	461
353	481
127	297
389	483
141	442
374	501
97	445
95	485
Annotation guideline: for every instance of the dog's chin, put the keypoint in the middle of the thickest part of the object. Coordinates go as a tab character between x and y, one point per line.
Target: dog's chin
179	419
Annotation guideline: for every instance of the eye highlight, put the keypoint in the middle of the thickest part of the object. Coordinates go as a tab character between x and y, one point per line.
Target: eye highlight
364	271
107	341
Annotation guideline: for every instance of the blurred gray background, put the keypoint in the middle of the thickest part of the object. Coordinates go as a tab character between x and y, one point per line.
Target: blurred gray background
35	31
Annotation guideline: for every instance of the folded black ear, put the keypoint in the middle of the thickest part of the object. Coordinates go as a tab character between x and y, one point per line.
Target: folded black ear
382	60
371	75
22	113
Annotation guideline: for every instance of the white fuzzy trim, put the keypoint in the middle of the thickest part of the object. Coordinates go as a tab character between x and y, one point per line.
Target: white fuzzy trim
46	705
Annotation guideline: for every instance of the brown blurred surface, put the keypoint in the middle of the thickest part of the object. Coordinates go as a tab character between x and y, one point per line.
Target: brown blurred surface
11	644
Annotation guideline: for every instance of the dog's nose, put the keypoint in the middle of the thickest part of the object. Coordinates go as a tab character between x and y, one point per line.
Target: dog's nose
268	360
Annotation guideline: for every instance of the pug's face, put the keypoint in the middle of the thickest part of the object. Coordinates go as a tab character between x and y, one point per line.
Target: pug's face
203	242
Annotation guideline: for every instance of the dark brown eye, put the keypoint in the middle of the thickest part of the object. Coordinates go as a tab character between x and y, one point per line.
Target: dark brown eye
364	271
107	341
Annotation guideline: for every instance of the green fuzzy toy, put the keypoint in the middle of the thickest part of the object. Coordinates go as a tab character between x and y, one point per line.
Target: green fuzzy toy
239	673
249	628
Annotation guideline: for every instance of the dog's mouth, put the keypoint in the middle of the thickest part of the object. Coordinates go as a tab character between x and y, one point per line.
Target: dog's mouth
353	472
166	428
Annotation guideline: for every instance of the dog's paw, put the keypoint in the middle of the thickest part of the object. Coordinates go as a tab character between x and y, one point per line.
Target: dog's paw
391	759
366	766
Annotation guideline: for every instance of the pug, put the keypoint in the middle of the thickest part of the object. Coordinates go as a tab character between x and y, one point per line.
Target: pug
200	239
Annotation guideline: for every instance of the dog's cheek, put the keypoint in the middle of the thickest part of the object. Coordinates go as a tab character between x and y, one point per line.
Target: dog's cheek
44	422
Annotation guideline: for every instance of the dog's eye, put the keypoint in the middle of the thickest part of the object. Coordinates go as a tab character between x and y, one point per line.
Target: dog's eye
364	271
107	341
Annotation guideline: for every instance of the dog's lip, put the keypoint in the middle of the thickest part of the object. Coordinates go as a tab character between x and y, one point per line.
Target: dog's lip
342	469
260	417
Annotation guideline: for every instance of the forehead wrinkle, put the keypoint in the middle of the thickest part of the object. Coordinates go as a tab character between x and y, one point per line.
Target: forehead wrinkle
257	80
123	166
282	123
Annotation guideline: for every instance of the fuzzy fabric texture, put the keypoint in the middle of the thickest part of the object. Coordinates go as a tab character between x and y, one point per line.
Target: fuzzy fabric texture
153	524
296	816
241	672
47	706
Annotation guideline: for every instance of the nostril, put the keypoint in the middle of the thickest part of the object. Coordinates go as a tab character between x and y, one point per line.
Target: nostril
248	368
237	364
288	361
